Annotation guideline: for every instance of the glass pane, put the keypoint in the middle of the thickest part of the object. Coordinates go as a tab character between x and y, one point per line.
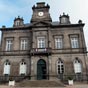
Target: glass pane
41	42
60	67
74	42
58	43
77	67
24	44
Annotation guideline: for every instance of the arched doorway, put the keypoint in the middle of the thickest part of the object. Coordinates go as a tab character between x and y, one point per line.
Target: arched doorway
41	69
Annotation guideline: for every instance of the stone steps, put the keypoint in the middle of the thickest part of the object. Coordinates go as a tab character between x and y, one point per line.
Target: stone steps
40	83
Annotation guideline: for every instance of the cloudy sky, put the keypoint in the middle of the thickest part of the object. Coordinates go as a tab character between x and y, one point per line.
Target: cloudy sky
77	9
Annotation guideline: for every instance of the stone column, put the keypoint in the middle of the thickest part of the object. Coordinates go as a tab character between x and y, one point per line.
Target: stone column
32	68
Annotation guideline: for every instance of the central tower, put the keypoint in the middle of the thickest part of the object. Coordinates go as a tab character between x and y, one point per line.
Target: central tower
41	12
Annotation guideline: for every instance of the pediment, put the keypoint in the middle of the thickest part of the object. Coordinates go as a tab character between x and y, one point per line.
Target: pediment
41	24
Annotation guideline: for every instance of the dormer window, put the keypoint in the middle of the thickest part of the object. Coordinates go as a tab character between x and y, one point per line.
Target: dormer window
18	22
64	19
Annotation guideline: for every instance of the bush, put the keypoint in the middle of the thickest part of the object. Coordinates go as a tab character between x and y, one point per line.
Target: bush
70	78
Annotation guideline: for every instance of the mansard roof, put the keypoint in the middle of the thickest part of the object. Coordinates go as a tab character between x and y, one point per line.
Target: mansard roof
44	24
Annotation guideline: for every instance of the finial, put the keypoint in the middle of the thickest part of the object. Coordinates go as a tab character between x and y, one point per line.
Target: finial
33	5
22	18
48	5
18	16
63	13
80	21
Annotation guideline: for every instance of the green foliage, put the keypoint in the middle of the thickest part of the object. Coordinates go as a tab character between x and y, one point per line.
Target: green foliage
70	77
10	79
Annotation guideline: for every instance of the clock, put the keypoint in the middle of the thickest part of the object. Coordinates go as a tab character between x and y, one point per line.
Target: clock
40	14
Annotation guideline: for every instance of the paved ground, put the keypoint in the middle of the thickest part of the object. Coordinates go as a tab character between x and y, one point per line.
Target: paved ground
67	86
78	86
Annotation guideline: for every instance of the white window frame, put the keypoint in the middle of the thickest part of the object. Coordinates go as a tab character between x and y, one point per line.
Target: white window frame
63	19
9	44
59	42
60	67
41	42
7	68
77	66
23	68
17	23
23	44
74	42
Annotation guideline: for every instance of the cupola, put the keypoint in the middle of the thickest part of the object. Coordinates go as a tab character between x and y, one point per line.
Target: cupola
18	22
64	19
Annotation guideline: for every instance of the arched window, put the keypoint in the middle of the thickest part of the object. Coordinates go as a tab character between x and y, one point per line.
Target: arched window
6	68
22	68
60	67
77	66
17	23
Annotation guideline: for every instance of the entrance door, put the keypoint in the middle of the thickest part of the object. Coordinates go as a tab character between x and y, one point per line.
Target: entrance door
41	70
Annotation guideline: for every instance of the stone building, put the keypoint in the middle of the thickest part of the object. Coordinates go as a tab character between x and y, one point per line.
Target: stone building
43	49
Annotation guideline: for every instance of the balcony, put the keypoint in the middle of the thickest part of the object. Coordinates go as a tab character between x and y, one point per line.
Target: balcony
40	51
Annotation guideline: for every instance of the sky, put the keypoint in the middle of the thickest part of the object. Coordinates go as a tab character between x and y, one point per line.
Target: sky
76	9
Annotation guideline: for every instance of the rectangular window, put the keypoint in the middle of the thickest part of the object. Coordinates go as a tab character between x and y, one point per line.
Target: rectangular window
9	44
59	42
24	44
41	42
74	42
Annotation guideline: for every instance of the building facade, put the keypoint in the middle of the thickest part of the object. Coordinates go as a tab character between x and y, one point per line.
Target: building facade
43	49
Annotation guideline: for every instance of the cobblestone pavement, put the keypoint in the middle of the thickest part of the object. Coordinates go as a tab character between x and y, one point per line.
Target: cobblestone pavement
67	86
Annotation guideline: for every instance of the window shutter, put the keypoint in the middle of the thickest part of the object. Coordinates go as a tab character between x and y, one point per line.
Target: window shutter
77	67
23	68
7	69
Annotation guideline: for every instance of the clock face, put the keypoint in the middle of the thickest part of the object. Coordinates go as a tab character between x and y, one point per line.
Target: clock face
40	13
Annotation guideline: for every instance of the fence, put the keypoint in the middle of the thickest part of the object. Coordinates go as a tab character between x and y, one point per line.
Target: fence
78	77
16	78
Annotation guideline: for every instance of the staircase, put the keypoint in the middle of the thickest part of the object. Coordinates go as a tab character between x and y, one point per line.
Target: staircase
40	83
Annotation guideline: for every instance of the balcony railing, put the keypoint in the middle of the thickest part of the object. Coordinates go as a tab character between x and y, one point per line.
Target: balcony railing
40	51
77	78
43	51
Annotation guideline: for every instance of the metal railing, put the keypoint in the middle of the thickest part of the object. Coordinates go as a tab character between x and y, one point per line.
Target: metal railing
43	51
63	78
40	51
16	78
